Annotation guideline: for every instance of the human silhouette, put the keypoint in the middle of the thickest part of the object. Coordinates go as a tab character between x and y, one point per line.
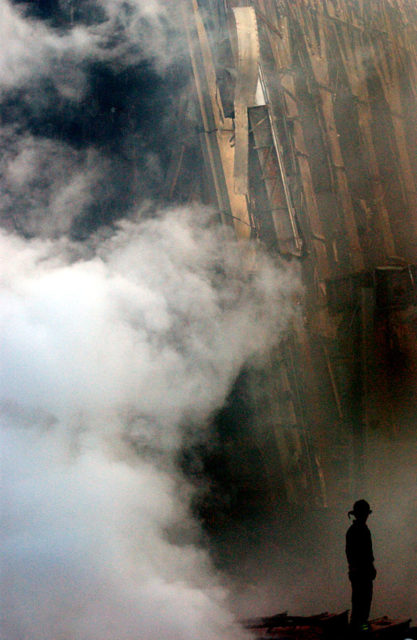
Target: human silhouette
360	559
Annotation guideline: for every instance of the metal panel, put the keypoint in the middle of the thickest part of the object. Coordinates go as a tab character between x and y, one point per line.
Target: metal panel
245	96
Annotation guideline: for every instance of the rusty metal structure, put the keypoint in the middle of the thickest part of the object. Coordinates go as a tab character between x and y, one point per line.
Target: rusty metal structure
299	126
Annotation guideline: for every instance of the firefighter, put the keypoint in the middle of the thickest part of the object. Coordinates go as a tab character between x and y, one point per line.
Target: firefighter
361	565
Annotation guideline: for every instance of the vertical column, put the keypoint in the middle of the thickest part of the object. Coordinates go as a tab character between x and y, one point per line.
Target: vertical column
315	41
387	61
351	48
281	48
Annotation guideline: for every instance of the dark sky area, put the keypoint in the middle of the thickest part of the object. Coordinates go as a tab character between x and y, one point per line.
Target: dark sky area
123	110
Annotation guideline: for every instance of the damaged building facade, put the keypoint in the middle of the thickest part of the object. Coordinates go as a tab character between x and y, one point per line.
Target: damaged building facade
300	128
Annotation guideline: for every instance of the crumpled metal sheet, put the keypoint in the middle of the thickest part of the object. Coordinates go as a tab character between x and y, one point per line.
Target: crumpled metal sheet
247	80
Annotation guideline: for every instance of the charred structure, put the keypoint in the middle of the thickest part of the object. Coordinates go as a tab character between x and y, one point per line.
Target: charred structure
301	119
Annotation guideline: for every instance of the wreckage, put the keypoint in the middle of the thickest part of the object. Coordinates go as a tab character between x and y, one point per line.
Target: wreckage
300	128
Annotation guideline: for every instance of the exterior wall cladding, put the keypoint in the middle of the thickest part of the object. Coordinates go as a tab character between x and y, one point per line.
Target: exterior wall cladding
304	115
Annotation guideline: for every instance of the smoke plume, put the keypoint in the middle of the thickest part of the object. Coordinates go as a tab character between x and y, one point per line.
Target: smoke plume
118	340
107	350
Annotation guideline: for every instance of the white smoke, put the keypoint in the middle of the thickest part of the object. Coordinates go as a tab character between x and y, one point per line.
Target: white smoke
104	357
84	552
123	33
46	184
58	163
30	50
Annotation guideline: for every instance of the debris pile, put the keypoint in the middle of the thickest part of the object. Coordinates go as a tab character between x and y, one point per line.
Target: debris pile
325	626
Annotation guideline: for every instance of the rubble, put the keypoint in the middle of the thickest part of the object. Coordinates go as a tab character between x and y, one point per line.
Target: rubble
326	626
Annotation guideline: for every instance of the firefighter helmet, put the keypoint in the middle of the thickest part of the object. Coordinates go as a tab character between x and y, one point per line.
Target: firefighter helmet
360	508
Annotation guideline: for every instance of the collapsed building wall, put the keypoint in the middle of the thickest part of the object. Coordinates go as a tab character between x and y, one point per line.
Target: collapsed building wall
305	115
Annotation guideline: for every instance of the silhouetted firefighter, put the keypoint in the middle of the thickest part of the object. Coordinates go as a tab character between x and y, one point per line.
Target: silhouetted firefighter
361	565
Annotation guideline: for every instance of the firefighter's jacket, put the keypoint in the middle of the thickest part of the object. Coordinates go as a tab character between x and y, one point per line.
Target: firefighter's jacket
359	552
